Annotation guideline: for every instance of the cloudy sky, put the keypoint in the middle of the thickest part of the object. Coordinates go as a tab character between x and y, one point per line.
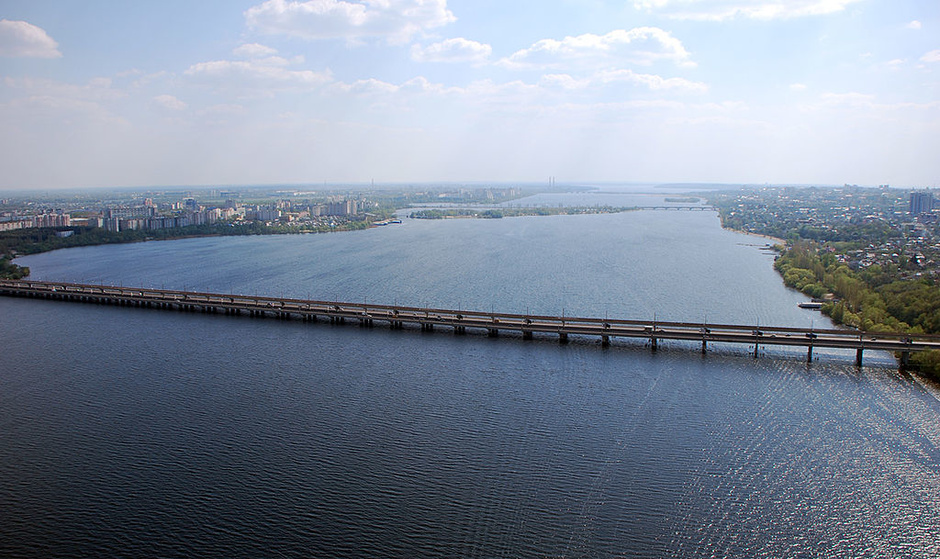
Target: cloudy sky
215	92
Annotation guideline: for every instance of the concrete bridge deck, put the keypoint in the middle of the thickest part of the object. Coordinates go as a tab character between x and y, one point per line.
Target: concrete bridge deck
459	321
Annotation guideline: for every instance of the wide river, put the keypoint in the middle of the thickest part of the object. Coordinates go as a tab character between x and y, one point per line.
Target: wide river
143	433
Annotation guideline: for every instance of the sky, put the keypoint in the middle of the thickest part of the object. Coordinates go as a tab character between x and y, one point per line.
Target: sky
104	93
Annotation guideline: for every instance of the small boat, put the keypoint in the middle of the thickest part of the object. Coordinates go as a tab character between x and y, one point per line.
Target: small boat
815	305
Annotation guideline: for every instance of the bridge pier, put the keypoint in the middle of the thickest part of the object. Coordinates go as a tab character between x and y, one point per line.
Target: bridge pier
704	346
809	354
493	332
605	341
858	357
756	349
460	330
654	343
563	338
527	334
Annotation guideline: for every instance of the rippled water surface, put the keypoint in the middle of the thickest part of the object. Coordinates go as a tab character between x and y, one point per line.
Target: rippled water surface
130	432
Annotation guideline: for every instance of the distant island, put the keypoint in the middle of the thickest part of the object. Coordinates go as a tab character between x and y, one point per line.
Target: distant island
498	213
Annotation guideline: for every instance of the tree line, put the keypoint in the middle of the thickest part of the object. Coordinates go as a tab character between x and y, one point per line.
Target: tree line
871	299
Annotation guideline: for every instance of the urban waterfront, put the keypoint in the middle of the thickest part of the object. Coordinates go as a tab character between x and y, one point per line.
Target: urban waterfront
129	432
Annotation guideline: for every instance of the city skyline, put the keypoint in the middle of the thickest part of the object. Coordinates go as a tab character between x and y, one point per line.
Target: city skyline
278	91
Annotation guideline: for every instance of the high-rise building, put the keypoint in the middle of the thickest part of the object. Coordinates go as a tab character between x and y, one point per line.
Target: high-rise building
921	202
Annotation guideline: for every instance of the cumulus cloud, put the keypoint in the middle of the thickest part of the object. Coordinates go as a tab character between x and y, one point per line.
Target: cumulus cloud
914	25
395	20
721	10
19	39
452	50
932	56
642	45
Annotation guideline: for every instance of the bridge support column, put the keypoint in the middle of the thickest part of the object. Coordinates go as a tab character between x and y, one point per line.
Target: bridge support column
527	334
654	343
493	332
905	359
756	349
858	357
460	330
605	341
704	346
563	338
809	354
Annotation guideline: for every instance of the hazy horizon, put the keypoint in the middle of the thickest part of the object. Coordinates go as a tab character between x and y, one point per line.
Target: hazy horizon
251	92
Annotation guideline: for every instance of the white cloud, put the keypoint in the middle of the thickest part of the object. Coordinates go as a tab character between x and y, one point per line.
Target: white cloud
916	25
452	50
932	56
797	87
19	39
169	103
395	20
642	45
721	10
651	81
564	81
365	87
254	50
267	74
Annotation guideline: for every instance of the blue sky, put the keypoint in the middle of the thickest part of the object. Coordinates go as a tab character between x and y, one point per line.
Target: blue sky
217	92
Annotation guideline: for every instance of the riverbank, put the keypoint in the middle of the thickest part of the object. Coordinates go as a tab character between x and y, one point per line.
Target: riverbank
22	242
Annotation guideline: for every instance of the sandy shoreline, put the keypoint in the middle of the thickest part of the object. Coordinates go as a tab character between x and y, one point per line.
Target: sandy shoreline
775	240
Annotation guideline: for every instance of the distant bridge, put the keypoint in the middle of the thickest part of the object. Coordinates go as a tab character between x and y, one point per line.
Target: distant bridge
680	208
492	323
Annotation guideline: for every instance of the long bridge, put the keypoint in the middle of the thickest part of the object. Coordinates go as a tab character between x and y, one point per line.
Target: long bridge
679	208
491	323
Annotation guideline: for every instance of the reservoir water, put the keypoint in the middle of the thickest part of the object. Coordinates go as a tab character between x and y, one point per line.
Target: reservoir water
132	432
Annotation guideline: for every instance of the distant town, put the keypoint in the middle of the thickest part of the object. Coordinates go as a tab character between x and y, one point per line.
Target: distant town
303	210
895	229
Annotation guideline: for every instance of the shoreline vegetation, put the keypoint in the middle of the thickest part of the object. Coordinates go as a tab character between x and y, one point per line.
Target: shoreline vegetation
21	242
876	298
